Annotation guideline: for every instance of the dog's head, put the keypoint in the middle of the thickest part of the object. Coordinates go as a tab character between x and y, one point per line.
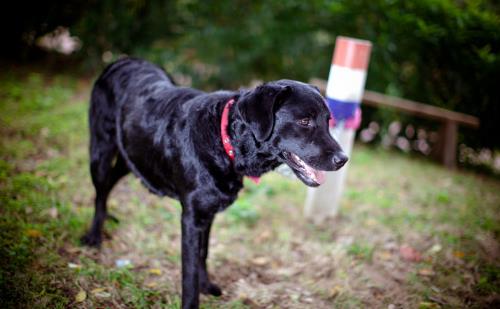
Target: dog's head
292	118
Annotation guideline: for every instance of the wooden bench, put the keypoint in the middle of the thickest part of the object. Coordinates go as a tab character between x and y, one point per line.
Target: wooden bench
446	149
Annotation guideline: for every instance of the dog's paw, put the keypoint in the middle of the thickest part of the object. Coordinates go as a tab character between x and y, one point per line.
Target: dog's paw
210	289
91	240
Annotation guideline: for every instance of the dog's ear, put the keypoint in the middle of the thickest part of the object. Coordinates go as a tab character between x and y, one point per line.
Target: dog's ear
258	106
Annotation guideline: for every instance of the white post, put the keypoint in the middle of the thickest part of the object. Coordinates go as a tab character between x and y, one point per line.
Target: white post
344	93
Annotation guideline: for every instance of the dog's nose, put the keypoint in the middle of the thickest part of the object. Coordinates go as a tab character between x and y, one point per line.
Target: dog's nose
340	159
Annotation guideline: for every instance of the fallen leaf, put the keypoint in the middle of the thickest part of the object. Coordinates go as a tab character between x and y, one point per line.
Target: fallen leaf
385	255
151	284
155	271
409	254
335	291
98	290
73	249
427	272
435	289
260	261
103	295
287	272
81	296
262	237
74	266
458	254
435	248
428	305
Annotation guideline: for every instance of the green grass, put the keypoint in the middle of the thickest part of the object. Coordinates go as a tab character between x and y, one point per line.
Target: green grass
263	252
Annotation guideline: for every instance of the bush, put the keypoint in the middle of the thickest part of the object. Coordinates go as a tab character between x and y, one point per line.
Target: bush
443	52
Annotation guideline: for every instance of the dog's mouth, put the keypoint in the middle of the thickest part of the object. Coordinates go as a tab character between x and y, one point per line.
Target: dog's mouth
309	175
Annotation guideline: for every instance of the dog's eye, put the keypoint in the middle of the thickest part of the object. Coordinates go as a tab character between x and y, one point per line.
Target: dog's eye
306	122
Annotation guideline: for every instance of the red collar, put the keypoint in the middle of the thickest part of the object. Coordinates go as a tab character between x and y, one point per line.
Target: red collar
226	141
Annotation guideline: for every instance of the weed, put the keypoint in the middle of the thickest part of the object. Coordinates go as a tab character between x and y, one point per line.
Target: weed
361	251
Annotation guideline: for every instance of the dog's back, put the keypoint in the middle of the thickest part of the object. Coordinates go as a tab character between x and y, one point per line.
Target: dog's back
125	74
133	104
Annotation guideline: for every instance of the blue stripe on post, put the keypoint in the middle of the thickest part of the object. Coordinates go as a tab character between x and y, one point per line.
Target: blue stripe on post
342	110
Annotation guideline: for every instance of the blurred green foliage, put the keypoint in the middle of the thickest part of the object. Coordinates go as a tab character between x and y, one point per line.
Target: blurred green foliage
443	52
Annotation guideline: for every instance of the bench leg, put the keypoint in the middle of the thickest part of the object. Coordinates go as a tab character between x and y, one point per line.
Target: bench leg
449	138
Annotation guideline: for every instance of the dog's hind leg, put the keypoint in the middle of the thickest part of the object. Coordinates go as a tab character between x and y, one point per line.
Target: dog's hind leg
206	287
103	151
104	176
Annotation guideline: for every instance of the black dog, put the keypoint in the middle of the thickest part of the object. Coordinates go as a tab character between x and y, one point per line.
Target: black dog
197	147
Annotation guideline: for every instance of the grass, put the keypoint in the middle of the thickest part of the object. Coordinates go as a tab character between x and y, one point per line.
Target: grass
263	252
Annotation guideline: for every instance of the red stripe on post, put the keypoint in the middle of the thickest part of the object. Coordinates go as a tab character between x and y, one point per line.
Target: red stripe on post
352	53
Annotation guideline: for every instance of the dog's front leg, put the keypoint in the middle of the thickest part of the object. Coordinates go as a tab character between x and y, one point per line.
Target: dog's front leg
206	286
190	258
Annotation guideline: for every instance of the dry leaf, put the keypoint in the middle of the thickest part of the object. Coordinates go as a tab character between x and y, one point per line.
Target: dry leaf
74	266
335	291
260	261
151	284
435	248
409	254
458	254
73	249
155	271
81	296
262	237
385	255
428	305
98	290
101	292
427	272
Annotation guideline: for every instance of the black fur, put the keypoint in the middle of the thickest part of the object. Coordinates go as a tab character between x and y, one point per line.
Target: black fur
169	137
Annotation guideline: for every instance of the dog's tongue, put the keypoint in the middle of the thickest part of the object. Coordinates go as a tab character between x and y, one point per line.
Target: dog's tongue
317	176
314	174
320	176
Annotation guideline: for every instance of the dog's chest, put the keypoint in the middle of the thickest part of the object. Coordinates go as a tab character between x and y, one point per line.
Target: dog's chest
227	195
